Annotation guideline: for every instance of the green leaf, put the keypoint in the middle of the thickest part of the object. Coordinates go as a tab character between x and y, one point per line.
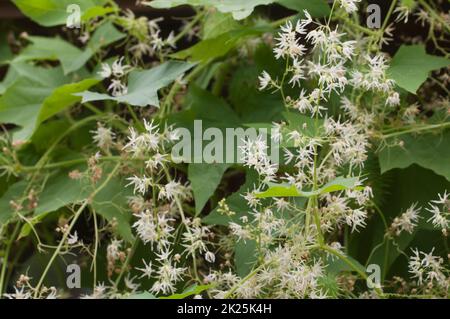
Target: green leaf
411	66
252	105
304	124
51	13
56	49
5	51
26	228
143	86
217	23
110	202
191	291
242	9
285	190
36	95
105	35
71	57
316	8
209	108
143	295
14	192
244	257
63	97
61	191
406	186
238	8
428	150
235	202
204	180
219	46
280	190
96	12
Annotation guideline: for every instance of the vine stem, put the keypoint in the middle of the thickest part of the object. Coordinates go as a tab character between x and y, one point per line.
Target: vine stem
189	26
342	257
72	224
6	257
177	86
240	283
94	260
75	162
184	220
417	129
436	16
126	263
380	33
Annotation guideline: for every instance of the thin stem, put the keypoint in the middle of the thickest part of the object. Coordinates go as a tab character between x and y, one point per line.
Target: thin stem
184	220
188	27
361	273
126	263
434	14
240	283
94	259
417	129
69	163
72	224
6	257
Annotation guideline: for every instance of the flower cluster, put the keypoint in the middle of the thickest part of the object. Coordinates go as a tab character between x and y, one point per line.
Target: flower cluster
428	269
147	40
440	210
116	72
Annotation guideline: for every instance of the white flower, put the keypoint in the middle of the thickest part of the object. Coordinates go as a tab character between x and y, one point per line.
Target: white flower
113	251
141	184
153	25
281	204
402	13
251	199
98	293
106	71
287	43
264	80
349	5
139	144
141	49
288	155
438	219
356	218
240	232
156	161
117	88
407	221
147	270
73	238
253	153
170	190
193	238
276	135
298	72
443	199
210	257
118	69
427	268
152	137
440	210
154	230
393	99
129	283
103	137
167	274
19	294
